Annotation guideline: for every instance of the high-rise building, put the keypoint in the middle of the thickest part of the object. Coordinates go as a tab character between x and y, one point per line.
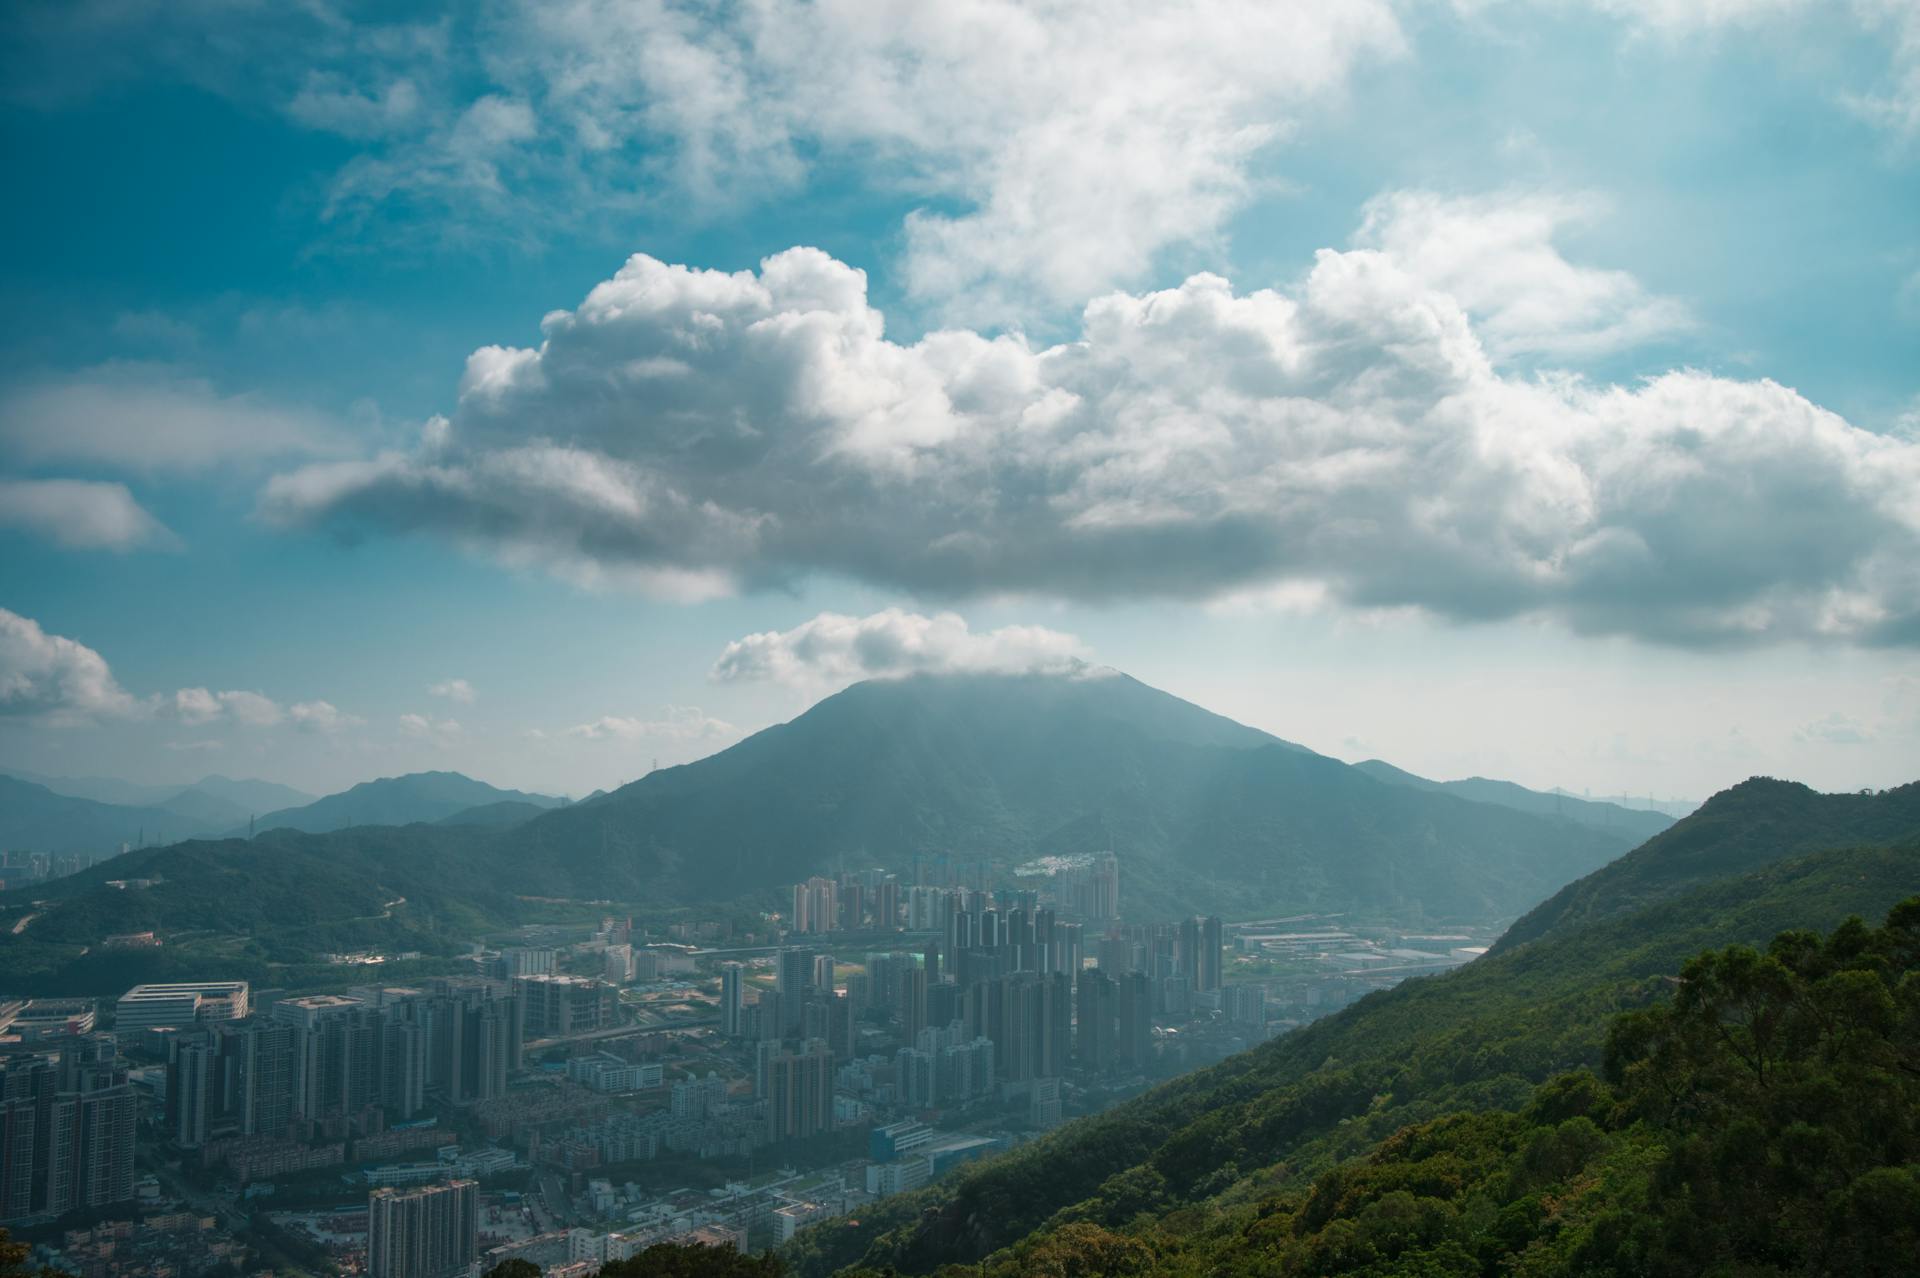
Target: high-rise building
913	1001
815	906
269	1058
66	1129
1187	953
556	1006
823	974
431	1231
1096	1022
799	1092
732	999
1135	1020
1247	1005
1211	944
793	973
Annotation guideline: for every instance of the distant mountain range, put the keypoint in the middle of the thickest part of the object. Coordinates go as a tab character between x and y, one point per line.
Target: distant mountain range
1601	814
1203	813
51	815
403	800
248	795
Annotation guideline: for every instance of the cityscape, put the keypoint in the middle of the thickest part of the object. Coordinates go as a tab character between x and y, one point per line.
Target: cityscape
540	1101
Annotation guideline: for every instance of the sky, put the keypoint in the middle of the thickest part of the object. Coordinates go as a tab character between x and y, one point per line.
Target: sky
549	390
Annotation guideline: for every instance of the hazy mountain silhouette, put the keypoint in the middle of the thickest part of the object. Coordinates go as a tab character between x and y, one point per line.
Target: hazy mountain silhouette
1203	812
402	800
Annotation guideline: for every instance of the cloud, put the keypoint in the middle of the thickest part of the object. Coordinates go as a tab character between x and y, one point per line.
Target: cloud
453	690
64	682
1350	436
321	716
52	677
198	706
1836	729
148	417
1047	151
427	728
1495	256
835	649
81	514
678	723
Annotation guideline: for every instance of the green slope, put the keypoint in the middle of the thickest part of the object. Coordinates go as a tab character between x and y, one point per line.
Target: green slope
1480	1038
1763	1121
249	908
1756	822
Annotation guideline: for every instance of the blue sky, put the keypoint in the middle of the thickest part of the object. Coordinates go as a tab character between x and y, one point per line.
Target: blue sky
1530	390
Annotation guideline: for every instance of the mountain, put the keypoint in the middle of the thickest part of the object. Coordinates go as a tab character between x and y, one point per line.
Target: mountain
1283	1137
402	800
1751	825
266	909
206	811
112	790
247	795
1203	813
35	819
504	813
1636	823
250	794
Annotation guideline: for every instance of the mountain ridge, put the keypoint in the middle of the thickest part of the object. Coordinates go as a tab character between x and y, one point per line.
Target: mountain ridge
1205	813
397	800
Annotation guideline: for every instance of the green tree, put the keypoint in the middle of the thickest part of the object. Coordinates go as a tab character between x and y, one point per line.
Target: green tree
678	1260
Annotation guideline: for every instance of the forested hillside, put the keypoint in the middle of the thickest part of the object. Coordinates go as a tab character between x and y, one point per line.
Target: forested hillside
1264	1124
1764	1120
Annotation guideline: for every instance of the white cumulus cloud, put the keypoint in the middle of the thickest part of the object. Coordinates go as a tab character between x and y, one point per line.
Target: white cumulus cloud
425	727
81	514
321	716
55	678
458	690
1350	438
253	709
1495	256
834	649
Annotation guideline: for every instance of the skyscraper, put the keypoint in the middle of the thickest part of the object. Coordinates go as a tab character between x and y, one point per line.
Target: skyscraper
1211	943
793	973
1095	1018
66	1129
732	999
431	1231
1135	1016
799	1092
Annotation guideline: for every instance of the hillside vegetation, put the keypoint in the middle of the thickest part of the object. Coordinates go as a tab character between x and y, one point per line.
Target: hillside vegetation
1481	1040
1763	1121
